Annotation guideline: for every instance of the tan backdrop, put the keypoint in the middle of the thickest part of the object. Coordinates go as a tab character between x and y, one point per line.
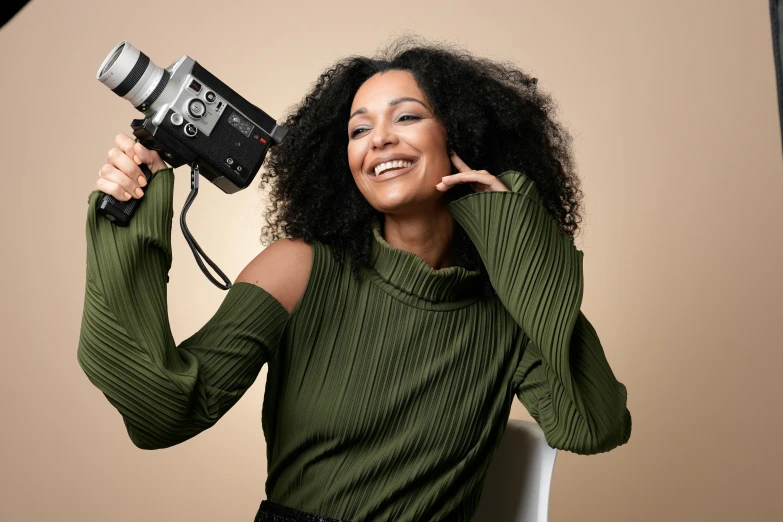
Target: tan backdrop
673	108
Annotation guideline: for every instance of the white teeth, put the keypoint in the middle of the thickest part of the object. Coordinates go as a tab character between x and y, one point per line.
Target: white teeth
391	165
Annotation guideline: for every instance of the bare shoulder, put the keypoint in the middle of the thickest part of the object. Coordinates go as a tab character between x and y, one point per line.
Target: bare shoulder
282	269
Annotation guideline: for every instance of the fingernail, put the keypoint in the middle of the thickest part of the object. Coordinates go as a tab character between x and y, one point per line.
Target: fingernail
127	196
142	181
139	192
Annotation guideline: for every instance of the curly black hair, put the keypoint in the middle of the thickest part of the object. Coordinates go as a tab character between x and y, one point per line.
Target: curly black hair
496	119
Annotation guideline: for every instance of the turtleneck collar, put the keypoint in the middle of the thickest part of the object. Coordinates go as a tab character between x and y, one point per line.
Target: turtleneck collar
410	278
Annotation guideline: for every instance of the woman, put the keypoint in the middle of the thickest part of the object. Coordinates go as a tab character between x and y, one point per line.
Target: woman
408	294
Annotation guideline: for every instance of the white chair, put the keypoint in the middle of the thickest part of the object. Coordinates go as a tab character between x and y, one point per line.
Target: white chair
516	488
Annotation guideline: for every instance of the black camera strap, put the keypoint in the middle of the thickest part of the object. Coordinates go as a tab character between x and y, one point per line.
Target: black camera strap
197	252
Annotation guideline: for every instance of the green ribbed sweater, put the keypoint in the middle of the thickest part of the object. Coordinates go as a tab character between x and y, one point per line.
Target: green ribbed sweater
385	398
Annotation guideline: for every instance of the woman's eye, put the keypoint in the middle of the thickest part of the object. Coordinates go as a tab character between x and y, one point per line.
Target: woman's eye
401	118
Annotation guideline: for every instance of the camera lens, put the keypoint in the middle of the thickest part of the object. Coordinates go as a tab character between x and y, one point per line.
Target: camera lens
130	74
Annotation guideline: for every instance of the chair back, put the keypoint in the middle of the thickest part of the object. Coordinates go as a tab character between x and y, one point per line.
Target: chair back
516	487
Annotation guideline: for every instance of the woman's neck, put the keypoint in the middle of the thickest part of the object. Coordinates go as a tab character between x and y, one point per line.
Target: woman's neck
429	236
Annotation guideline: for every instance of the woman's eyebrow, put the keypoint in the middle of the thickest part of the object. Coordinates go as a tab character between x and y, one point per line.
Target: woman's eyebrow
395	101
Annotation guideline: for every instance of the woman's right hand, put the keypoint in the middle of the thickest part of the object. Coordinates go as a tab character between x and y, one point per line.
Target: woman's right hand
121	176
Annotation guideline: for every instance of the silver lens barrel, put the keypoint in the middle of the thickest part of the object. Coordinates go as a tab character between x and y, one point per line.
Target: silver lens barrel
130	74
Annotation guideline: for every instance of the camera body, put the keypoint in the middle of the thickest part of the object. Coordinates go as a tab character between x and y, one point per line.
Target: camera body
192	116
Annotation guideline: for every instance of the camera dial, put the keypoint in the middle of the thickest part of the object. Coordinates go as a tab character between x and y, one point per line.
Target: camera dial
196	108
190	130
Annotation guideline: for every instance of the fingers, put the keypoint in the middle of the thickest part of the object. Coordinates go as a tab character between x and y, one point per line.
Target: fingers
149	157
481	176
130	168
139	153
120	175
116	183
479	180
125	143
128	146
461	166
112	189
449	181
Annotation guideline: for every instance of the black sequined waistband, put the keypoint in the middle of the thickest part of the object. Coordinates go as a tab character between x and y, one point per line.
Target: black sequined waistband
273	512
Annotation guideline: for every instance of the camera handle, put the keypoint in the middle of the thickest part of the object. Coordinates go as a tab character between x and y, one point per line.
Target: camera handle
197	252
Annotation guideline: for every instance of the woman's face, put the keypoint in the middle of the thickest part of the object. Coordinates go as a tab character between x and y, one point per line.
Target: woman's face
392	121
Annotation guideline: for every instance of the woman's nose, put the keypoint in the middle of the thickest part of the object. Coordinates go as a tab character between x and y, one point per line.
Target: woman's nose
383	136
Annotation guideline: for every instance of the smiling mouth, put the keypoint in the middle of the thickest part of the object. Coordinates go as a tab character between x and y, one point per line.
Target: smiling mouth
392	173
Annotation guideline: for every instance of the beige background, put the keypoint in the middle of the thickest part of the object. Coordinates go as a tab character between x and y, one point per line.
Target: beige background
673	108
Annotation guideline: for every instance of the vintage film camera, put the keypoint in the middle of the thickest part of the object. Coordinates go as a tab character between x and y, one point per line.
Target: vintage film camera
190	117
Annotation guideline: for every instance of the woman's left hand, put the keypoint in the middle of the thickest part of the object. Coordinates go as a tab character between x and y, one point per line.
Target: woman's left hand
479	180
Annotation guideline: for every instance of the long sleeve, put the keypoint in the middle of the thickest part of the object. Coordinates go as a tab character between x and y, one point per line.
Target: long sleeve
563	378
165	393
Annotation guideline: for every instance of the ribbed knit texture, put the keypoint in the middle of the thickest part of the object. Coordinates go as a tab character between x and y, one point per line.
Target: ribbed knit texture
385	397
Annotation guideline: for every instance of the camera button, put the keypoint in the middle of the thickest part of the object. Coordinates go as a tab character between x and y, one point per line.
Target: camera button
196	108
190	130
176	119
